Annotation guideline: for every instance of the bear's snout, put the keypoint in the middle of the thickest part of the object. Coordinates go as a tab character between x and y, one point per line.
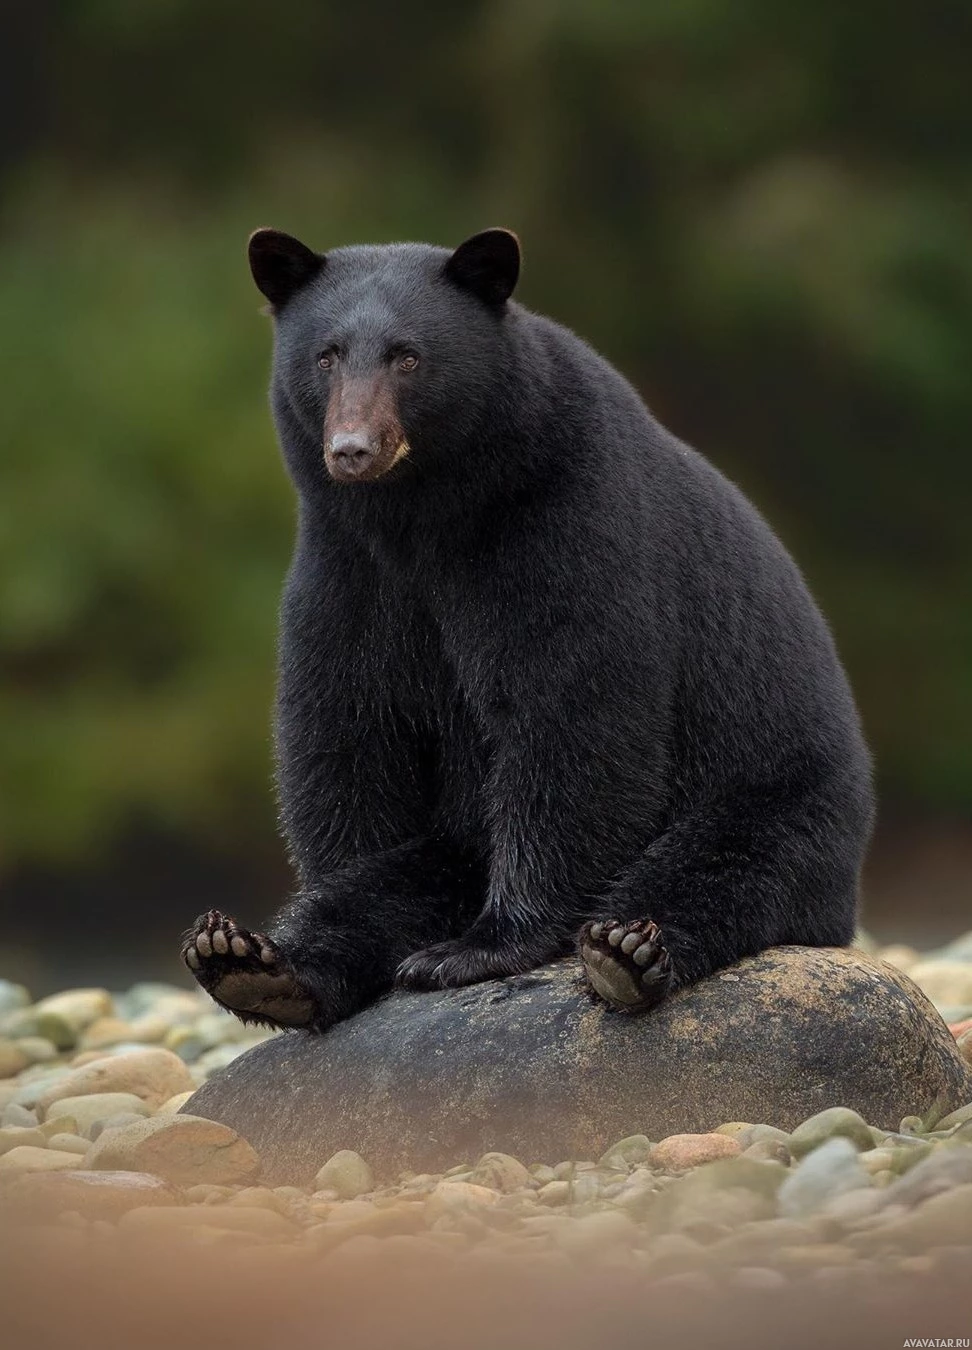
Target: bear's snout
350	454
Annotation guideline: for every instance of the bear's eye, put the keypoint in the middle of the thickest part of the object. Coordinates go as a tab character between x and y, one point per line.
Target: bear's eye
408	362
326	360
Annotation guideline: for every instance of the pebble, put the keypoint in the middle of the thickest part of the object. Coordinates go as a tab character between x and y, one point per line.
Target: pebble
38	1049
15	1114
594	1232
500	1172
107	1031
27	1158
96	1195
562	1192
941	1220
958	1117
174	1104
12	1058
345	1173
183	1150
757	1277
90	1110
153	1075
78	1008
12	997
940	1171
837	1122
68	1143
948	983
681	1151
13	1136
231	1218
832	1168
626	1152
458	1197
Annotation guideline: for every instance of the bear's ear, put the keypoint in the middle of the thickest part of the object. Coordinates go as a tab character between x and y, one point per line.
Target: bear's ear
281	264
488	264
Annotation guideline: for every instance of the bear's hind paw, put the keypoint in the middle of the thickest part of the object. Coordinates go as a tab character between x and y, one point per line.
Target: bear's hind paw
627	964
245	973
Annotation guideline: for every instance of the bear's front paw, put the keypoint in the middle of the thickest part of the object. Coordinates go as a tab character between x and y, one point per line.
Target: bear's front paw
462	961
626	963
245	973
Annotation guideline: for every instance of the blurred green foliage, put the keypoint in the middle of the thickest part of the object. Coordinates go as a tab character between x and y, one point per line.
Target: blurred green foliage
760	212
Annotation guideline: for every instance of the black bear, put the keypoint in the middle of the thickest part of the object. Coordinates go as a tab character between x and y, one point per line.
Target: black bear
545	676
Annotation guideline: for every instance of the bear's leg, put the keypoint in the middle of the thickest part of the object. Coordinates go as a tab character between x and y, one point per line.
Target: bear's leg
767	868
335	946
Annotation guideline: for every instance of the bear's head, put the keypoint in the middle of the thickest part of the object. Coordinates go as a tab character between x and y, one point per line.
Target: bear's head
383	354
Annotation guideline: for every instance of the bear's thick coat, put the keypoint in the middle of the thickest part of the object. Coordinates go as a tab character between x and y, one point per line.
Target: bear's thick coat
540	662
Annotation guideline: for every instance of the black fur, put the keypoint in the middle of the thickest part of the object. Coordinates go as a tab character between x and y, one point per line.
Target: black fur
550	667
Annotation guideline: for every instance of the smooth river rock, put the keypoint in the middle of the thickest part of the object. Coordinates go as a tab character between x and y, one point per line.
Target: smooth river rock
534	1067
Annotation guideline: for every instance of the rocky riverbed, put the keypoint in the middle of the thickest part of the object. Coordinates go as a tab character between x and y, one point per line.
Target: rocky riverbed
95	1159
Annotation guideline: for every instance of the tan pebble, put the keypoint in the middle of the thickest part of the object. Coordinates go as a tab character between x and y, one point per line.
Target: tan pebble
105	1031
182	1149
68	1143
16	1136
38	1049
899	955
731	1128
452	1197
565	1170
813	1255
500	1172
262	1195
88	1110
59	1124
948	983
356	1251
542	1173
347	1173
349	1210
202	1194
12	1059
593	1232
378	1223
102	1195
554	1193
79	1007
154	1075
226	1217
149	1027
916	1265
174	1104
681	1151
29	1159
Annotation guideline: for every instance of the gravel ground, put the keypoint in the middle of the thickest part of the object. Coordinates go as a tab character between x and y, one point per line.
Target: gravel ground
94	1159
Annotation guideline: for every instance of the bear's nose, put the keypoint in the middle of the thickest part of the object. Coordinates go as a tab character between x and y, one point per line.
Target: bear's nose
351	452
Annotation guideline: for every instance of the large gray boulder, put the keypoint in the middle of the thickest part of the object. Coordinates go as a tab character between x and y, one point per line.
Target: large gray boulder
534	1066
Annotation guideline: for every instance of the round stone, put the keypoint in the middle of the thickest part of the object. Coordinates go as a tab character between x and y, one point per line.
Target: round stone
681	1151
181	1149
534	1067
152	1075
346	1173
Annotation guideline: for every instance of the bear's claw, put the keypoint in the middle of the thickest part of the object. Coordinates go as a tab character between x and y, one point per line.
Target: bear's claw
627	964
245	973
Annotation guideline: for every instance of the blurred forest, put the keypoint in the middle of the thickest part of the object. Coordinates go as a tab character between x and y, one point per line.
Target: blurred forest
761	212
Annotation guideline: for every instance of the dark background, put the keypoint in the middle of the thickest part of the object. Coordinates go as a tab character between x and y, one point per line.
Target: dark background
760	211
